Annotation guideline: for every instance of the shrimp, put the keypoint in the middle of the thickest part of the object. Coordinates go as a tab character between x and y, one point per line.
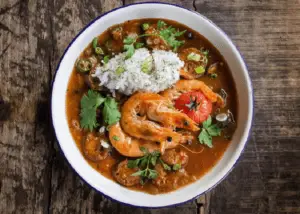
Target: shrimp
188	71
133	124
130	146
192	85
168	116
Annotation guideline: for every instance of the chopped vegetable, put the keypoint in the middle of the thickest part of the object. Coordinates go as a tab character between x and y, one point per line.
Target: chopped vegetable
165	166
139	45
194	57
111	113
144	164
176	167
147	65
89	104
106	59
99	51
213	76
116	138
120	70
200	70
222	117
83	65
169	35
145	26
208	131
95	42
161	24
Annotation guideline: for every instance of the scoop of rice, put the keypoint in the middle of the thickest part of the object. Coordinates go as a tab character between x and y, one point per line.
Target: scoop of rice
165	72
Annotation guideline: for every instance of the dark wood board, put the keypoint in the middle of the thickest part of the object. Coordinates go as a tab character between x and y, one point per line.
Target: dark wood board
35	177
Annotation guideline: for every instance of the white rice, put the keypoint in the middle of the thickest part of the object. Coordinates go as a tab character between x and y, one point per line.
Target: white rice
164	74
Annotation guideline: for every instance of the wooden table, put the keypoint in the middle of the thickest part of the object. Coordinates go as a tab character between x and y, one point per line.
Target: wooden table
34	176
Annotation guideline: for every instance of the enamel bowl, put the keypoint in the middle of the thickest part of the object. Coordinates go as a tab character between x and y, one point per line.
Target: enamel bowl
240	75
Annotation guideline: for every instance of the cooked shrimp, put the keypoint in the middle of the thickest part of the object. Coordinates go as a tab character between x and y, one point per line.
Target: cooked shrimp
136	126
92	148
188	71
130	146
192	85
160	111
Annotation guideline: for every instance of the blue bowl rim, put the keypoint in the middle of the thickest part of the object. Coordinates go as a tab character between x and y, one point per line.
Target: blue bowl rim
175	5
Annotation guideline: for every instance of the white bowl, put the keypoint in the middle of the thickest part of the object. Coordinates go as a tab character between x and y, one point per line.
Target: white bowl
240	75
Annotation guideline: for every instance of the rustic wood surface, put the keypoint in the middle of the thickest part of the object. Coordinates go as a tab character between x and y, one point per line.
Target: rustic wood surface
34	176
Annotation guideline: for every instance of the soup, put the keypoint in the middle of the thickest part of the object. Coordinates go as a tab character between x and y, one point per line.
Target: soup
151	104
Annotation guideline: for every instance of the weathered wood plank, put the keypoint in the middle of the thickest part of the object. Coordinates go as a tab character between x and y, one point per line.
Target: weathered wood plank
24	118
267	178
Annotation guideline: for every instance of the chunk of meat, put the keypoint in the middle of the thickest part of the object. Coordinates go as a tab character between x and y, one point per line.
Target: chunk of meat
161	178
153	41
123	175
92	148
188	71
172	157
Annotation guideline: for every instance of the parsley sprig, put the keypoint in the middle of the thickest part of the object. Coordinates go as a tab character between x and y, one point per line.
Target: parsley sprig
168	34
208	131
90	103
145	164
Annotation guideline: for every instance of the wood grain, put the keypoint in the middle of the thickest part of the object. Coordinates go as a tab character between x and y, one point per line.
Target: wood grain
267	178
24	93
35	177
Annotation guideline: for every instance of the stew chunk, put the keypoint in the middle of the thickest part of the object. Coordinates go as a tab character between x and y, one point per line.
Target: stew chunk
172	157
123	175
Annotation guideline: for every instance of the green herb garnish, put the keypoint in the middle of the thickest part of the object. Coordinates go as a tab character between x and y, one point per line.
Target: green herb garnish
106	59
194	57
116	138
145	26
208	131
200	70
147	65
120	70
176	166
95	42
89	104
111	113
168	34
139	45
145	164
213	76
165	166
99	51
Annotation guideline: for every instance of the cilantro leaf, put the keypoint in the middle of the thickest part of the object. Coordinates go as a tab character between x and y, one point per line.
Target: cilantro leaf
207	122
89	104
205	138
152	174
129	50
161	24
214	130
169	35
176	167
208	131
111	113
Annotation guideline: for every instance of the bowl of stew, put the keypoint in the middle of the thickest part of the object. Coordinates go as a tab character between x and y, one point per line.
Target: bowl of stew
152	104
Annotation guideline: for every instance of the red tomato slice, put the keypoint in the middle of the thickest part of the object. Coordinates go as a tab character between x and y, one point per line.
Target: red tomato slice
195	105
